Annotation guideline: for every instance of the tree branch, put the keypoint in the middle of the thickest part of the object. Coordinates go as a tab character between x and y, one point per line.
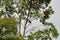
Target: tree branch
25	25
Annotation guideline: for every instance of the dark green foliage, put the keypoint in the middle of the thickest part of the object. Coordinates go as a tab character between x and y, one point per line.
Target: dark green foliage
1	13
40	35
48	12
52	29
30	37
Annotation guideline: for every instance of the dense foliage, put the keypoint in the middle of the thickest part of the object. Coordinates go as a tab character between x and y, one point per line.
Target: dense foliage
12	12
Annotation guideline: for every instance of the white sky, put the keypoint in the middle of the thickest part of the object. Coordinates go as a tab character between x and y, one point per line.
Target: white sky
55	18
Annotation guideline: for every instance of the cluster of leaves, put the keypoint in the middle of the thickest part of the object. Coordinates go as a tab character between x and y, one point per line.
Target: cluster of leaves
36	4
52	29
46	34
11	38
40	35
47	14
8	27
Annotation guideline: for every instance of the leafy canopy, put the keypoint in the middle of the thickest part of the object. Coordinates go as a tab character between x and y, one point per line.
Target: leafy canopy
25	10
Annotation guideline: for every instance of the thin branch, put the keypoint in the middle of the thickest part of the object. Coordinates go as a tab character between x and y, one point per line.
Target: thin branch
25	25
20	24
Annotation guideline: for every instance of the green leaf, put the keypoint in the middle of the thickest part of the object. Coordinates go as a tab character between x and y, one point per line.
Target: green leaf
47	32
1	13
37	35
54	32
8	3
30	37
36	14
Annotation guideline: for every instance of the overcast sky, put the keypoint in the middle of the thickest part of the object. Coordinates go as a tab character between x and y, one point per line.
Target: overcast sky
55	18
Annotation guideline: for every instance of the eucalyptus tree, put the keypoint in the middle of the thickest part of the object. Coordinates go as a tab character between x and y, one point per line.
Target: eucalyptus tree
13	12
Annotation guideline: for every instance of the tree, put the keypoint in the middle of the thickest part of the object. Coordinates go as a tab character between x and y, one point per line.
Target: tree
12	12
